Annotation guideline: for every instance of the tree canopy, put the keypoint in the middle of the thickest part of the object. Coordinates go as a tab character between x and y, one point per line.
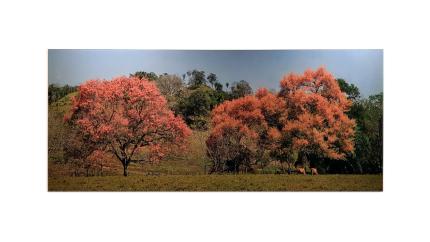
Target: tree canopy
352	91
151	76
316	122
307	117
127	117
240	89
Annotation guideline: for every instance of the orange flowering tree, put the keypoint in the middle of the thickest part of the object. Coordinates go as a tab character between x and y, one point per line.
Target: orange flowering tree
126	116
233	141
315	123
305	119
241	130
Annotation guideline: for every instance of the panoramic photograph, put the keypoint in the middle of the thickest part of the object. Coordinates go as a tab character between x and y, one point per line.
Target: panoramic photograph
215	120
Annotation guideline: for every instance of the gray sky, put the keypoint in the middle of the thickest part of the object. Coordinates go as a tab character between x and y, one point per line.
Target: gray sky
261	68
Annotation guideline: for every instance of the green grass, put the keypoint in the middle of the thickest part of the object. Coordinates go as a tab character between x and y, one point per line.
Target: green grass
218	183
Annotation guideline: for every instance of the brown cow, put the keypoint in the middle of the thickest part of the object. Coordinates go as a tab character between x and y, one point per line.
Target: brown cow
314	171
301	170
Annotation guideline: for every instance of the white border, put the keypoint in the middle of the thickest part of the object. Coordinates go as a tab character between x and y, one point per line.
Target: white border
30	213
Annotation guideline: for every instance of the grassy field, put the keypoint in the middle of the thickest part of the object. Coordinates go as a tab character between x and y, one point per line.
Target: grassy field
218	183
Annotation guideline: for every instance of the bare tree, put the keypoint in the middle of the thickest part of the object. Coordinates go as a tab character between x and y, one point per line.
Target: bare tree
170	86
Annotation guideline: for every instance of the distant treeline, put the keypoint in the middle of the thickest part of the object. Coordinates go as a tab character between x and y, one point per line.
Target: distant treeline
56	92
194	94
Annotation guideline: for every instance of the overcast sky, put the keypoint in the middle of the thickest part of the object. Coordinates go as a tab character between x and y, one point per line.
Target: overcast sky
261	68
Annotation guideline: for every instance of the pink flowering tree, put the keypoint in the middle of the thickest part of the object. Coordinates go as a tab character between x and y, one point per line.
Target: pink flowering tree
127	116
315	122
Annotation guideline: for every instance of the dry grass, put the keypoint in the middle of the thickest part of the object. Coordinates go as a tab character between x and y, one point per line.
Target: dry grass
218	183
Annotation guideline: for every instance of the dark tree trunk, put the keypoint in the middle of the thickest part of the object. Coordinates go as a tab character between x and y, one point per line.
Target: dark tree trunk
125	165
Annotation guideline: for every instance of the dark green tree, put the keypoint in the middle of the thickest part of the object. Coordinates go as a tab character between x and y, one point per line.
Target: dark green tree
213	79
352	91
368	155
368	114
151	76
56	92
195	107
240	89
196	78
218	87
372	126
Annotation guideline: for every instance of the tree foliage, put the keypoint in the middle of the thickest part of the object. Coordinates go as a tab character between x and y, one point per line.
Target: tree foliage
151	76
306	119
171	87
212	78
352	91
199	99
240	89
233	142
196	78
369	154
83	153
196	106
241	131
127	117
316	124
56	92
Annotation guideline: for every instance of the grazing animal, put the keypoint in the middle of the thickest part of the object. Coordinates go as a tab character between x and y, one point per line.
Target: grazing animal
314	171
301	170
